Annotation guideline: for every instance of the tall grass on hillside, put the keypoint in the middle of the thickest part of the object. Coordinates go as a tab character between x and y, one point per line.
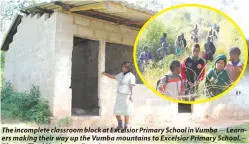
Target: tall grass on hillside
182	22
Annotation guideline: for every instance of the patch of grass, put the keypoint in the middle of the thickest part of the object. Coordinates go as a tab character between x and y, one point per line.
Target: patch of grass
66	121
24	106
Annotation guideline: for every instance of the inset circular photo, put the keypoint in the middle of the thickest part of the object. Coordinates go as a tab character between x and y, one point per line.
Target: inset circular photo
190	53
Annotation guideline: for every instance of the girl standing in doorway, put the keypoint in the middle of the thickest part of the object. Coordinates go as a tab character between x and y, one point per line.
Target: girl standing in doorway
126	81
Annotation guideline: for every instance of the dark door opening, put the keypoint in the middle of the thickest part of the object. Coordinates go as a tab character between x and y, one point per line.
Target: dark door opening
115	55
84	78
184	108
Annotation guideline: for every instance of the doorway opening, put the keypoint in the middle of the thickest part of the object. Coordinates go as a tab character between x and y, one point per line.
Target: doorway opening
84	78
184	108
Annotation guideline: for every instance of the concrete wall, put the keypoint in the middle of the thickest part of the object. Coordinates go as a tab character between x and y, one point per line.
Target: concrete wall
29	60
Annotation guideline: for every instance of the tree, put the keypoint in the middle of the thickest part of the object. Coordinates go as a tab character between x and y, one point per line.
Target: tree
11	8
154	5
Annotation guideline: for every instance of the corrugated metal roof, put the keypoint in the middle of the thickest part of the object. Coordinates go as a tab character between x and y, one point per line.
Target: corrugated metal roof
114	11
52	5
120	9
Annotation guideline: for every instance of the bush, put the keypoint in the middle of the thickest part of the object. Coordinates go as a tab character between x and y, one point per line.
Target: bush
24	106
2	67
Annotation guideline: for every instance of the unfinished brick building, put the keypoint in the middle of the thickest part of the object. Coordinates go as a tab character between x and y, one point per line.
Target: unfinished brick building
64	47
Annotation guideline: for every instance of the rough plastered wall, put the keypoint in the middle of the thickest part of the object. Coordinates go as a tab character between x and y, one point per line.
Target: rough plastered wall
67	26
29	60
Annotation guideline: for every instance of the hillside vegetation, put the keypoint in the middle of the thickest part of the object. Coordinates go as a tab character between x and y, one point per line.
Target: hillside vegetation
183	20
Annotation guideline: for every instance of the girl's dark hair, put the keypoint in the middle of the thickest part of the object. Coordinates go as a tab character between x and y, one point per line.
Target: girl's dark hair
128	66
174	64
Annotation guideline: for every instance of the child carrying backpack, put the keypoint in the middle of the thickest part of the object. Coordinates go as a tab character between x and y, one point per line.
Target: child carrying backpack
172	84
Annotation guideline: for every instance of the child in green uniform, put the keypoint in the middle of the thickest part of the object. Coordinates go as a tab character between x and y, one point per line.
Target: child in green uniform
218	79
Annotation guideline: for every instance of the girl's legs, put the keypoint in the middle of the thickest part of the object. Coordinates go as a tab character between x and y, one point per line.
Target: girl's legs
120	122
126	121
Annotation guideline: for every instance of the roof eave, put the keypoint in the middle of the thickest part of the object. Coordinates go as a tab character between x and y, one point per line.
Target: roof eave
13	29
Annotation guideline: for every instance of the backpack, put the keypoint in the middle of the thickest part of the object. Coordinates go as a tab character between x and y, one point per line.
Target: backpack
167	78
158	82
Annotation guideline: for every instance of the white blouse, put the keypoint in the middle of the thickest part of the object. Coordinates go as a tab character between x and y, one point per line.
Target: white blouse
124	82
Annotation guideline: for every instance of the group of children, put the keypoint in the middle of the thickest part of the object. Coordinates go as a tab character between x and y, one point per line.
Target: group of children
184	78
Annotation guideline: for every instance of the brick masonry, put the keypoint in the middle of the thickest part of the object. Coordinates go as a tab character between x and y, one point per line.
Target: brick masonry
41	54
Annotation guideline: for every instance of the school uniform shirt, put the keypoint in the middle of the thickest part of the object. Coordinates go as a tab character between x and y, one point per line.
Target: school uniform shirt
163	40
124	82
145	56
173	86
234	70
192	70
217	81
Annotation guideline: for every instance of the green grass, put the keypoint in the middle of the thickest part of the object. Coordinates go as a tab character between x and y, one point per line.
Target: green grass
66	121
24	106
